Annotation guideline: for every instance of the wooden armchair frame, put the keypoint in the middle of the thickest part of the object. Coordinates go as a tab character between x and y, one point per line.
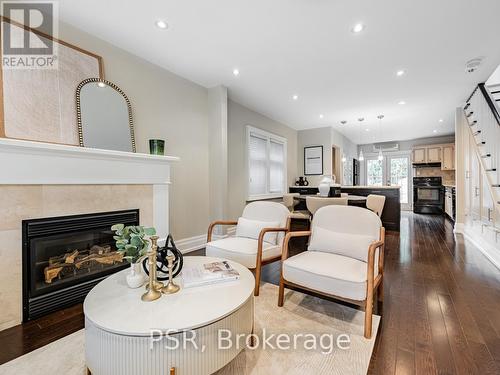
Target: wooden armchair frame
373	284
259	262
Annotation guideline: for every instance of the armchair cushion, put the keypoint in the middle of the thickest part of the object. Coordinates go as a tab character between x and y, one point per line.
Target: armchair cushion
347	244
241	250
329	273
251	229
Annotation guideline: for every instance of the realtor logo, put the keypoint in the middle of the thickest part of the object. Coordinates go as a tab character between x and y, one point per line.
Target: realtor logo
28	32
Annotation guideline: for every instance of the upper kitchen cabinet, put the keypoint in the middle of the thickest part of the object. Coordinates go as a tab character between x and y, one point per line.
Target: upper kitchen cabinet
448	158
443	154
419	155
434	154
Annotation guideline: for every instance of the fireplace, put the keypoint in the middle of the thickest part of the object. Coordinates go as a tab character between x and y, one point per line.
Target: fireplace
65	257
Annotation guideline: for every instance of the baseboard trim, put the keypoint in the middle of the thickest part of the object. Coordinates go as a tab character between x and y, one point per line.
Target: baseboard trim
187	245
190	244
487	249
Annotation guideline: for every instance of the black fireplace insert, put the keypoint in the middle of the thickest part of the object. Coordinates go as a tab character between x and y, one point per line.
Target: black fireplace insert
65	257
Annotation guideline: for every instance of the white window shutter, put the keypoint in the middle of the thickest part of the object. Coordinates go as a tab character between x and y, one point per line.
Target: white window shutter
276	167
257	155
266	156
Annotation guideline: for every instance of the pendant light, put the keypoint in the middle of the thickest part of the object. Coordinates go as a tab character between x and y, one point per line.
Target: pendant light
361	157
380	155
344	158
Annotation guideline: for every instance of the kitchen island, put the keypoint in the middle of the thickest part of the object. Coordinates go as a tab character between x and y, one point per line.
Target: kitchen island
391	215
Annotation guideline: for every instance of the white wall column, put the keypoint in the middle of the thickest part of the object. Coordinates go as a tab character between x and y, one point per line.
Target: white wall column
460	165
218	149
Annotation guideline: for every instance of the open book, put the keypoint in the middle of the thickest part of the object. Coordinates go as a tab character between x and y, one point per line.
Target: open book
209	273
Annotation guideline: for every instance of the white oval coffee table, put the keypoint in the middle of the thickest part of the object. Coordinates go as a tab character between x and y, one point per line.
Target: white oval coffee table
126	336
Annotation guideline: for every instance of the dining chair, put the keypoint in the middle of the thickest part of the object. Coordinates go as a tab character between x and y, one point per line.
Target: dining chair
290	201
315	203
375	203
344	259
258	240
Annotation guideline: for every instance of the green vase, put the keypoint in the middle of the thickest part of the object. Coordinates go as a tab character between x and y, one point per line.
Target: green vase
157	147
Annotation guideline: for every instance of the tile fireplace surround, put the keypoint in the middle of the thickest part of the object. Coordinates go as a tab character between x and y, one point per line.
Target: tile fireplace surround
46	180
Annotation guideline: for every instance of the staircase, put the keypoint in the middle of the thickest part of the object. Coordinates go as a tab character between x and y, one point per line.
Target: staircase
482	156
495	93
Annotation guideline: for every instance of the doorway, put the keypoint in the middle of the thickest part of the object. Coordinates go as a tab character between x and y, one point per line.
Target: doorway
394	169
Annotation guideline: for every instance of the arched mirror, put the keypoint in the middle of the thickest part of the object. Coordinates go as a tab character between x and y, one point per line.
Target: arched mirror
104	116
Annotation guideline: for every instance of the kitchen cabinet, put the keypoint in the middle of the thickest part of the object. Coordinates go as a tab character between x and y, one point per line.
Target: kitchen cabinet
434	154
419	155
448	159
448	203
441	153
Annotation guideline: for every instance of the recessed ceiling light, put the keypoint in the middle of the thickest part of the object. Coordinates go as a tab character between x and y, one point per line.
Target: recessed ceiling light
236	72
400	73
295	97
441	120
402	102
321	116
356	29
367	129
434	131
161	24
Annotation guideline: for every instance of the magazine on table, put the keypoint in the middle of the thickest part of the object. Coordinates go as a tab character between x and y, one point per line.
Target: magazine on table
209	273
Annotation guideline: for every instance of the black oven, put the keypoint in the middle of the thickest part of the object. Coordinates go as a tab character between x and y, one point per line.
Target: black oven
428	195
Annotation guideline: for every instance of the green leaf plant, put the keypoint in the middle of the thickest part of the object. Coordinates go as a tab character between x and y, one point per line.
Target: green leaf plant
133	241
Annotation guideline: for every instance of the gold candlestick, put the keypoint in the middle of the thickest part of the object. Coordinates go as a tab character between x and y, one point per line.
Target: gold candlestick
153	292
171	287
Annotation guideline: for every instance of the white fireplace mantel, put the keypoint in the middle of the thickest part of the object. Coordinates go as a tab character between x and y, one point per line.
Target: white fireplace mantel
36	163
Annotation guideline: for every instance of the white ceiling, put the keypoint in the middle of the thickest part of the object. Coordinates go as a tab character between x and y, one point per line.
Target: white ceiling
305	47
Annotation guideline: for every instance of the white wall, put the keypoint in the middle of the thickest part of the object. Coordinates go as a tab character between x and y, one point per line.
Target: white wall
169	107
238	118
326	137
409	144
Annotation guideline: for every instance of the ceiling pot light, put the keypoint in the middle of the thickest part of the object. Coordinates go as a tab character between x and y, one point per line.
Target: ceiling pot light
402	102
400	73
357	28
434	131
441	120
236	72
161	24
321	116
295	97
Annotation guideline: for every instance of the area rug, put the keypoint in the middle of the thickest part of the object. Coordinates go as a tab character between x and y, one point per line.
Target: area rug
321	337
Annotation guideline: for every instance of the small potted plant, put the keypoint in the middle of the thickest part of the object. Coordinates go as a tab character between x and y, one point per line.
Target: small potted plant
133	242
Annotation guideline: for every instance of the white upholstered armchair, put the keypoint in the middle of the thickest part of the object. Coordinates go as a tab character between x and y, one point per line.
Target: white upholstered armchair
344	259
259	237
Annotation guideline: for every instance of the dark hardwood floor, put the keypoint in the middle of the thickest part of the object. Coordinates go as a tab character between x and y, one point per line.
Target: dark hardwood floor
441	311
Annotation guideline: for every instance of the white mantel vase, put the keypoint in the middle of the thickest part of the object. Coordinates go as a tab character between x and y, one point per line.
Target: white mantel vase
324	186
135	278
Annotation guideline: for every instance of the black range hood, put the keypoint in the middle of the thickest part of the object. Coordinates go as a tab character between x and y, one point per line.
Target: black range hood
426	165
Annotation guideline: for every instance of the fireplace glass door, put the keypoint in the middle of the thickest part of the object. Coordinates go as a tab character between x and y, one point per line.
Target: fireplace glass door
65	257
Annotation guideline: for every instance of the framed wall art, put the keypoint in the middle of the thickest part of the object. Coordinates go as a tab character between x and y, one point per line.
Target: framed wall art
313	160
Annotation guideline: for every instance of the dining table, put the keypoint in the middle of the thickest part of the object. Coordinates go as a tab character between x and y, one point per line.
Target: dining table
350	197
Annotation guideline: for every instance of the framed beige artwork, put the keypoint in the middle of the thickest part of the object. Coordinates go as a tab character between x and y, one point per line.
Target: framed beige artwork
39	104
